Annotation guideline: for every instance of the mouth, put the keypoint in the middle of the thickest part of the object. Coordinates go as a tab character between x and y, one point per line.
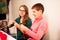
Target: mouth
34	15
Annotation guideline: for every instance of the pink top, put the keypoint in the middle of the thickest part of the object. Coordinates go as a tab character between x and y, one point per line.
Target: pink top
38	29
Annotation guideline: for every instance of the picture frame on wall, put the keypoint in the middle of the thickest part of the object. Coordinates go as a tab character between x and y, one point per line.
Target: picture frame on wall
3	7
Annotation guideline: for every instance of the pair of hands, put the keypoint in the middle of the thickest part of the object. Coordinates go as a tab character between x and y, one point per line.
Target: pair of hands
12	22
21	27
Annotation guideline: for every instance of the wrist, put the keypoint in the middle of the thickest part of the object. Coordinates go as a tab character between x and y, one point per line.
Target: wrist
21	23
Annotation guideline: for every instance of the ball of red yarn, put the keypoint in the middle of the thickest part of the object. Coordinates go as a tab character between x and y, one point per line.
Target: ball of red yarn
3	36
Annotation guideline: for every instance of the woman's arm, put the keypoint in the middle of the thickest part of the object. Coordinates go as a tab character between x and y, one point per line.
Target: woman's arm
10	23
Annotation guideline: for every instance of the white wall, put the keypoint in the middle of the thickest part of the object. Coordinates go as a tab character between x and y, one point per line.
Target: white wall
10	10
52	14
54	19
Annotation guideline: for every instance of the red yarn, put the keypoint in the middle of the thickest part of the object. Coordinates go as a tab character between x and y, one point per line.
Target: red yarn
3	36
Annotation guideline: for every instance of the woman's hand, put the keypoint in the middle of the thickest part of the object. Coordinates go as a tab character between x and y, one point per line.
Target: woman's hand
10	22
18	26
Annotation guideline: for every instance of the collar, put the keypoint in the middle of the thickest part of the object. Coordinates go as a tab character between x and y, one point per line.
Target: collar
39	18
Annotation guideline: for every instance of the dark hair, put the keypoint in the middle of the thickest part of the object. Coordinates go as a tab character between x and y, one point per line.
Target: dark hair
26	16
38	7
8	2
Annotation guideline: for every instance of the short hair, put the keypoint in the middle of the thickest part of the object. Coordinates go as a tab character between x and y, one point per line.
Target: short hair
38	7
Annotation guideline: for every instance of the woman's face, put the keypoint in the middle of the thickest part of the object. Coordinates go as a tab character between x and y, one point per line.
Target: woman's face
21	11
